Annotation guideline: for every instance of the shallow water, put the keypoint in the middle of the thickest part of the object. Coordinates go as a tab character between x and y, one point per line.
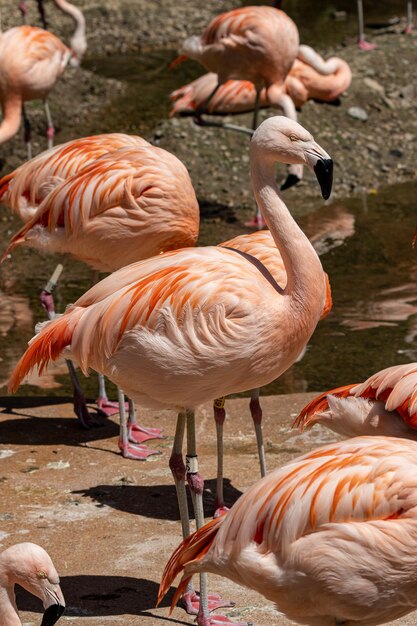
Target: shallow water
365	246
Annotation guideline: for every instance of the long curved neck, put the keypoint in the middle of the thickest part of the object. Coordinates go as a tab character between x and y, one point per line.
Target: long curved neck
305	282
8	611
78	38
12	112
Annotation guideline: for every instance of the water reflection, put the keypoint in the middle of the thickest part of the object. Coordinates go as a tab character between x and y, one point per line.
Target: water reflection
365	247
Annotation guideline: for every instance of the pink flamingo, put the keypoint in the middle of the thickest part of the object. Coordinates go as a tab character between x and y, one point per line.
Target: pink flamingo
133	202
31	567
192	325
385	404
304	81
329	538
258	44
31	61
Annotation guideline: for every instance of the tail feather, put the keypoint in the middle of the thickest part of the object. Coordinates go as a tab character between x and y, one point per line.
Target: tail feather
4	184
45	347
307	415
192	549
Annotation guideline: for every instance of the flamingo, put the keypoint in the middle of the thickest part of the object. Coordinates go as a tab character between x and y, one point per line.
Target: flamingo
304	81
261	246
328	538
192	325
133	202
258	44
31	61
78	41
385	404
31	567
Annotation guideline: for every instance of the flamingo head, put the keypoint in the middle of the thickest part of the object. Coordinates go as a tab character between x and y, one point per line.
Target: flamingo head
281	139
31	567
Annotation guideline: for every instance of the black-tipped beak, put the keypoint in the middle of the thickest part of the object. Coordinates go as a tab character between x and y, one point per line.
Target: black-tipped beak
291	180
324	173
52	614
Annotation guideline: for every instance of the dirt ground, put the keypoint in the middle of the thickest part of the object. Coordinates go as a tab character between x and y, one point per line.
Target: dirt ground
110	524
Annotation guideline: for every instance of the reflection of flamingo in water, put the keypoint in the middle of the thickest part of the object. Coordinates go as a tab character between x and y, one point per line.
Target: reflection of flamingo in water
191	325
310	77
329	538
385	404
133	202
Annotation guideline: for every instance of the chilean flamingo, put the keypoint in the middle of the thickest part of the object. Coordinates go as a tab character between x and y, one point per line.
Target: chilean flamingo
261	246
192	325
258	44
328	538
31	61
304	81
385	404
78	41
133	202
31	567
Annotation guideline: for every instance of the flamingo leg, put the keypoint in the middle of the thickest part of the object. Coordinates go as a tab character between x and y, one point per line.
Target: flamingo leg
23	10
42	14
219	417
409	26
27	130
138	433
202	122
362	43
203	601
256	109
177	467
256	412
50	133
129	450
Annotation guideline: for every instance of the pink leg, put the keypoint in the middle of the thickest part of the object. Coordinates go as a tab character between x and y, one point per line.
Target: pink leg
366	45
219	417
256	412
138	433
129	450
257	221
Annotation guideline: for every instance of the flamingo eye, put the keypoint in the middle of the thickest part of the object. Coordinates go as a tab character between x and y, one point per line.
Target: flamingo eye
293	138
41	574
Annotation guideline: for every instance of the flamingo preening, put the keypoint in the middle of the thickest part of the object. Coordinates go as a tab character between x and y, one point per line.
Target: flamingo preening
108	200
330	538
31	567
192	325
384	404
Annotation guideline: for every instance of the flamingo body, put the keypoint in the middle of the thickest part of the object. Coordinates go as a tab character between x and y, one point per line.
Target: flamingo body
331	536
26	187
385	404
129	204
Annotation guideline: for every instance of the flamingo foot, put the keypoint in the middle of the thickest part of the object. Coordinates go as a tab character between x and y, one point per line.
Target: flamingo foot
220	510
107	407
408	30
135	452
257	222
366	45
85	420
219	620
191	601
140	434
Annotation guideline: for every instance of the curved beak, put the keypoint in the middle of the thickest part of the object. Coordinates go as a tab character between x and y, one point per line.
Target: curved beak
324	173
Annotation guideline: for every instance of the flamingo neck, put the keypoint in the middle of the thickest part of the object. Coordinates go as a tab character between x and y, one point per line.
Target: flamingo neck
78	40
12	112
8	610
305	282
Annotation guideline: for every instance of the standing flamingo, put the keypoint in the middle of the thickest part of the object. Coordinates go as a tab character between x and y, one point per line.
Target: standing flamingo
385	404
31	567
31	61
192	325
258	44
133	202
330	538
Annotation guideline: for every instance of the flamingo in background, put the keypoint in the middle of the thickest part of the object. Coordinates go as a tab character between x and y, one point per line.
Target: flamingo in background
385	404
192	325
31	61
328	538
78	41
132	202
304	81
31	567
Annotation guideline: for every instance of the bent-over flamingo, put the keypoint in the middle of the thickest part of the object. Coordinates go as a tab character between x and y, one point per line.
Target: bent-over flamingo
330	538
31	61
385	404
131	203
192	325
31	567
